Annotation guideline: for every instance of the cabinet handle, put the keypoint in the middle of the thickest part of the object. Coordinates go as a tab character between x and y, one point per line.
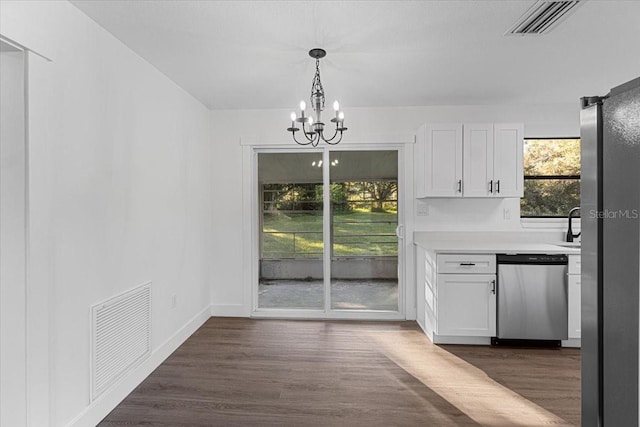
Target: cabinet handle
491	186
498	186
459	186
493	287
467	263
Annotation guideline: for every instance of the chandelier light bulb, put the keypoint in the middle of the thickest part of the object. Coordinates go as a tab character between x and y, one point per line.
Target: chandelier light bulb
293	117
341	116
303	105
310	121
336	105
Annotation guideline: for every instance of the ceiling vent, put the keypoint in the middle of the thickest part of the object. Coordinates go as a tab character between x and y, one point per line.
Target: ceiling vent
542	17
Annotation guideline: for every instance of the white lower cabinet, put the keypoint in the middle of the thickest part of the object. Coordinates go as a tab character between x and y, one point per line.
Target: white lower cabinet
457	297
574	306
420	278
466	305
574	297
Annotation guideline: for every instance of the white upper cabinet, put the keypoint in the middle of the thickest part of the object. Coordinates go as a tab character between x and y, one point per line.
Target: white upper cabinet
440	147
477	160
508	175
470	160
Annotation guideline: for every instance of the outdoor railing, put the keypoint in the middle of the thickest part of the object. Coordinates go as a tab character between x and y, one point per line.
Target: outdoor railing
354	241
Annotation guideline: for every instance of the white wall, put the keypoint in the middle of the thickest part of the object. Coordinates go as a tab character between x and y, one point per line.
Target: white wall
120	189
392	125
13	174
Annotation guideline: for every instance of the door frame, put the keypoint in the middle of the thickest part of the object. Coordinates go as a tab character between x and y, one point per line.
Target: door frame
251	237
14	255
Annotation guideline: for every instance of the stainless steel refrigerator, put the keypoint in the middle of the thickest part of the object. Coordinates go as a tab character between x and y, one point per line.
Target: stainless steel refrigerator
610	207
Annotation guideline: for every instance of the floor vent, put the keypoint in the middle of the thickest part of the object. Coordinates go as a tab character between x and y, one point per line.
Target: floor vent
542	17
121	336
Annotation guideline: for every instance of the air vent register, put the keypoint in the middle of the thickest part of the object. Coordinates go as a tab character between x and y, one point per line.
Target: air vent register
543	16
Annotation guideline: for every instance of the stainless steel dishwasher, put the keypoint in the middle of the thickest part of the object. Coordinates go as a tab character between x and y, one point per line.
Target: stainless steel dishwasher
532	297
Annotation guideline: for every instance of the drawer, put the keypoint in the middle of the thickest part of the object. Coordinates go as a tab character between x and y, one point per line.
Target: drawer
574	264
467	263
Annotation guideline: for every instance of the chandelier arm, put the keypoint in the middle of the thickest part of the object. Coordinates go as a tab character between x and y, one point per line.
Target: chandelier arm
298	142
328	141
306	134
334	143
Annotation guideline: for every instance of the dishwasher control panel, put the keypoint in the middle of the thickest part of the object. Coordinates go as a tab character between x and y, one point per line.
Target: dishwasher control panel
544	259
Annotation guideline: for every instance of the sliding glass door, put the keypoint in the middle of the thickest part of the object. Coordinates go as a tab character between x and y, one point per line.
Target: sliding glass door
327	232
364	217
291	274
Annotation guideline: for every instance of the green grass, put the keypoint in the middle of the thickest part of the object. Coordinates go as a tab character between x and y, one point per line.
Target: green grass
356	233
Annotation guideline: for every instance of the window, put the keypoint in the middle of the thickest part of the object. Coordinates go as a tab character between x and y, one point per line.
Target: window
551	177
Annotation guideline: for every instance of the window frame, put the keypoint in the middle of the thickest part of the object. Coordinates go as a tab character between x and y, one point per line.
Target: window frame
531	219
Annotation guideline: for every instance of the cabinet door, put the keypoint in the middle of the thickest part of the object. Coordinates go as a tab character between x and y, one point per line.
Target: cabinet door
574	306
466	305
439	161
507	160
477	163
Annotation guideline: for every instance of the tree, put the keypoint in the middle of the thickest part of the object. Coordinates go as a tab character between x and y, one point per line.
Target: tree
292	197
559	160
380	192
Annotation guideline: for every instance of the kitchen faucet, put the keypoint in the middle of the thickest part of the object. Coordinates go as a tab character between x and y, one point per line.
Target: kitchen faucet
570	234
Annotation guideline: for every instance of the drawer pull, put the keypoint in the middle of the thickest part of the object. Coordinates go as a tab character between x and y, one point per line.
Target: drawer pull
468	263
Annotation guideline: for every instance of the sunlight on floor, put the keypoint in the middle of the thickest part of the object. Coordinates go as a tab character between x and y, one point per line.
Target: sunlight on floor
484	400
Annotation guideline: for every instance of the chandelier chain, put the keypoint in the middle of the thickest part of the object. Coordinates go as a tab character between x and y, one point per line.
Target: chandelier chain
317	91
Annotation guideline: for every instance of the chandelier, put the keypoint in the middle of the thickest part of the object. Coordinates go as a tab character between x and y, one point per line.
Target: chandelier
313	128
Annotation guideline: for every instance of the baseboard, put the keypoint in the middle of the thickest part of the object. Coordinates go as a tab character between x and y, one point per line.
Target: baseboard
446	339
101	407
572	342
228	310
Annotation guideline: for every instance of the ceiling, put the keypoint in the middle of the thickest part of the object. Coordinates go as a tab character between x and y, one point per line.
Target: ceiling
253	54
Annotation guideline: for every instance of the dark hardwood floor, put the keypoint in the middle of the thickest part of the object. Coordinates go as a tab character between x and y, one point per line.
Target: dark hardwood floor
243	372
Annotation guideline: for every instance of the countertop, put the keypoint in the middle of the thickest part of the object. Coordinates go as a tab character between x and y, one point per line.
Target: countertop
488	246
